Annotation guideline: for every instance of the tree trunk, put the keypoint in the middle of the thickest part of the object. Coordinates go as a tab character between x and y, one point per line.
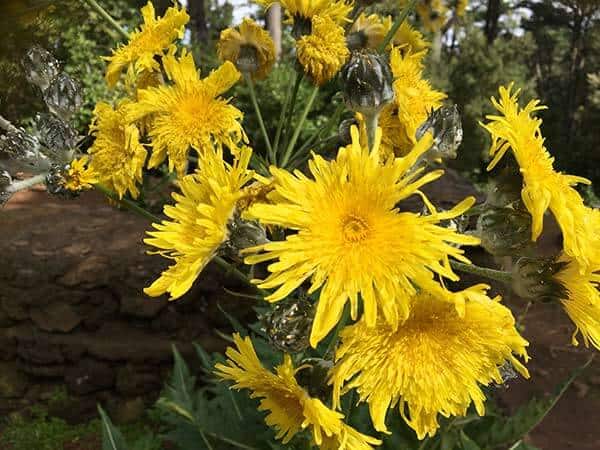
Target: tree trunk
274	25
198	26
492	16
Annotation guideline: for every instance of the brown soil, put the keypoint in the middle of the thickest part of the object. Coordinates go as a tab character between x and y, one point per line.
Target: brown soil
571	425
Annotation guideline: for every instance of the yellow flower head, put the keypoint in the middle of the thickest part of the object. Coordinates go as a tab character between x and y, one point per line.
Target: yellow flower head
197	224
291	408
189	112
371	29
516	129
337	10
323	52
583	300
351	240
434	363
414	96
461	7
409	40
79	177
433	14
153	37
251	42
118	157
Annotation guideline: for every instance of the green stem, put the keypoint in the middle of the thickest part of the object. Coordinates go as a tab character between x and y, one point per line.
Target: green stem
282	116
261	122
498	275
371	124
129	204
206	442
106	16
231	270
302	155
324	130
290	112
403	15
290	147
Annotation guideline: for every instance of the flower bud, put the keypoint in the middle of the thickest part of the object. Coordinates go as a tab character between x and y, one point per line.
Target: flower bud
367	82
56	181
243	234
21	151
445	126
56	135
63	96
289	324
40	67
505	188
534	279
504	231
344	135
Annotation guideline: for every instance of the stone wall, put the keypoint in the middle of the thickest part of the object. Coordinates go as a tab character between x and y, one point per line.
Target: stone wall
73	314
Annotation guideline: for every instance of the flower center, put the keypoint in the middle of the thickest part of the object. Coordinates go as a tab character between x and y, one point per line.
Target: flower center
354	228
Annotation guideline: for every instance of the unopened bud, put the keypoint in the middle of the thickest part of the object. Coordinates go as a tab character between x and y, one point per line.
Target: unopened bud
504	231
445	126
505	188
40	67
243	234
63	96
56	182
367	82
534	279
344	135
313	377
289	324
247	60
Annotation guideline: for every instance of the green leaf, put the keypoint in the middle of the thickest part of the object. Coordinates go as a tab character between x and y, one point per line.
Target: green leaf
467	443
449	441
207	362
112	439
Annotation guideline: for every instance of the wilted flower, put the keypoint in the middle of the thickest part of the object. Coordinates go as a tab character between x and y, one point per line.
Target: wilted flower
289	323
40	67
504	231
535	279
445	126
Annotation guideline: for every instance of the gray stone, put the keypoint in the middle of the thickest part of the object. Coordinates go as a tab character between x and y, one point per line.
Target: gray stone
89	273
13	306
13	382
142	307
56	317
89	376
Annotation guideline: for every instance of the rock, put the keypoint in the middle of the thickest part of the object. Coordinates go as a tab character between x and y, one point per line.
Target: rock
5	320
13	382
132	380
142	307
169	320
89	273
129	411
12	306
56	317
89	376
45	371
39	350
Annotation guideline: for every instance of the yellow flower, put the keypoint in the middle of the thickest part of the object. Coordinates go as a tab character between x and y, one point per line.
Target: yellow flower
154	36
543	188
323	52
434	363
583	300
414	96
79	177
118	157
371	29
433	14
351	240
251	39
461	7
409	40
189	112
197	224
337	10
291	408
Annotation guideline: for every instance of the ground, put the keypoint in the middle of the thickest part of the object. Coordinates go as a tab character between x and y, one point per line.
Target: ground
571	425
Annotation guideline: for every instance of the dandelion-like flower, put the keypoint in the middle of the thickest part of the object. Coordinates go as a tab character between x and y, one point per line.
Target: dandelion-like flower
189	112
153	37
516	129
197	224
251	47
368	31
582	300
291	408
337	10
351	240
323	52
436	362
118	157
79	175
408	39
433	14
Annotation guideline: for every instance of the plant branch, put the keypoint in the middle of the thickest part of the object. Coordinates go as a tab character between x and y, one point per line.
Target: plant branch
106	16
261	122
403	15
290	147
17	186
128	204
498	275
290	112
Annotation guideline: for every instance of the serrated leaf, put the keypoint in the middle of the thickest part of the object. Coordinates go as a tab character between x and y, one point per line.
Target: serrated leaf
237	326
467	443
205	359
449	441
112	439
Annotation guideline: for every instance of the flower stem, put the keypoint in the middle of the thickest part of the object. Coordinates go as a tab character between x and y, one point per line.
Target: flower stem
17	186
498	275
261	122
290	112
129	204
282	117
106	16
403	15
290	147
371	124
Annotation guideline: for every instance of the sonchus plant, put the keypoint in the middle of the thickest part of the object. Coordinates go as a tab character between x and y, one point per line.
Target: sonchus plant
364	342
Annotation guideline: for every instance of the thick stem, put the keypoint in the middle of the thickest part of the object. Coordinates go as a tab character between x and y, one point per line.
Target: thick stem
498	275
131	205
371	120
17	186
106	16
403	15
290	112
290	147
282	117
261	122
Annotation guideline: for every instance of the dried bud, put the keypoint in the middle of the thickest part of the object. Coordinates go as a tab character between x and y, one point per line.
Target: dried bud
247	60
367	82
40	67
289	324
344	135
313	377
63	96
504	231
56	182
445	126
534	279
55	134
243	234
20	151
